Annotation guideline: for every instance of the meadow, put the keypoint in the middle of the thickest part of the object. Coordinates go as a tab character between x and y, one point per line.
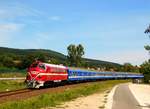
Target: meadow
9	85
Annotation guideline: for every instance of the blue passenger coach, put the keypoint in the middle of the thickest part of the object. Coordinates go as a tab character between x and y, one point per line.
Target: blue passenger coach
79	75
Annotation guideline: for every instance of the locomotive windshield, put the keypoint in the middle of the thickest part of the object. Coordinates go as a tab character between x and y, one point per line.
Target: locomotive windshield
41	66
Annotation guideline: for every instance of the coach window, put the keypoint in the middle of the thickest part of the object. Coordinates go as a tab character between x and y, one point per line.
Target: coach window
74	73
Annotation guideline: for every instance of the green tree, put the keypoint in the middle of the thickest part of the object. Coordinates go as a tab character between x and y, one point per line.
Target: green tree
27	61
40	57
71	54
145	69
147	47
6	61
147	29
128	67
80	53
75	54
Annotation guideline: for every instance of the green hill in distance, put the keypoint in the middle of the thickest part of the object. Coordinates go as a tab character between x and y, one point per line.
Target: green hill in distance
53	56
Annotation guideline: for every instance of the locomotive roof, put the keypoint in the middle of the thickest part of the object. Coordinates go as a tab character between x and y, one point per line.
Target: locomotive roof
57	66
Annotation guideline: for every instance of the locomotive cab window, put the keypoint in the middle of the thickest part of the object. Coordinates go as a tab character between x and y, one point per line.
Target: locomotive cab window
41	66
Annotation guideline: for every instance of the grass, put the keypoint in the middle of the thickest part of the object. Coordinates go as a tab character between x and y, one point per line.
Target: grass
12	74
7	85
51	100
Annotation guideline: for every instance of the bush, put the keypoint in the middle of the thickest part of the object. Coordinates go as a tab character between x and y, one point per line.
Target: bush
145	69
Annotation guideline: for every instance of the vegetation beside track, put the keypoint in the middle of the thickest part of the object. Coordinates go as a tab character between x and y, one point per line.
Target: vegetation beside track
49	100
12	74
8	85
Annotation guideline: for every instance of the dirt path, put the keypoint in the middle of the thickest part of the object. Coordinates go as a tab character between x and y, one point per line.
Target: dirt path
94	101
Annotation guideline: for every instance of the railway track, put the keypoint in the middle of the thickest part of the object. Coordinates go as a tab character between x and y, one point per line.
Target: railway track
15	92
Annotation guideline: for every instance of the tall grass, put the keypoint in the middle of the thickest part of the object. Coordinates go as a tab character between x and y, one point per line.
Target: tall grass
12	74
11	85
5	70
48	100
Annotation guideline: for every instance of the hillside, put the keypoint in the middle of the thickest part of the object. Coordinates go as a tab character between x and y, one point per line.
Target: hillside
50	54
24	52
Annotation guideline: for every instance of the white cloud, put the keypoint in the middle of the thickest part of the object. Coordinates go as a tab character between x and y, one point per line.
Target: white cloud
14	10
10	27
55	18
133	57
8	31
23	12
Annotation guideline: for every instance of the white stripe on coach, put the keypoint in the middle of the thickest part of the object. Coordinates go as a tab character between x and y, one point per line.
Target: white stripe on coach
88	76
51	74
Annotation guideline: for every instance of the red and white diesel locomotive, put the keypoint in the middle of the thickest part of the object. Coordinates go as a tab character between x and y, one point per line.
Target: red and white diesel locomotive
39	73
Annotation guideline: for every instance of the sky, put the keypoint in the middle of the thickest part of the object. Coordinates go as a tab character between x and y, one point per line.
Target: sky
110	30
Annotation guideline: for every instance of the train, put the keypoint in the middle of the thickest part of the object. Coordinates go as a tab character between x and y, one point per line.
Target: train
39	74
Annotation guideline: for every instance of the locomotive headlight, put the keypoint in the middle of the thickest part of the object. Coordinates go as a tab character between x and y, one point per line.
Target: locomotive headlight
34	72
